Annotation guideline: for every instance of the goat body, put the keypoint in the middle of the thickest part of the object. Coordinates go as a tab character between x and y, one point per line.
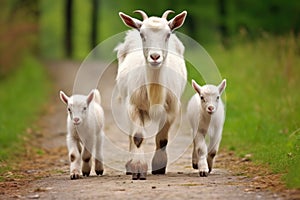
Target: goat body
206	115
151	79
85	123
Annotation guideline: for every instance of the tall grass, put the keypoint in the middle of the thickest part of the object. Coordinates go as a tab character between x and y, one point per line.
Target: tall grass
263	109
22	95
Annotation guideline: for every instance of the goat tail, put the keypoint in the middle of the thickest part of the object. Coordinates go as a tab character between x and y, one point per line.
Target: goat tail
97	97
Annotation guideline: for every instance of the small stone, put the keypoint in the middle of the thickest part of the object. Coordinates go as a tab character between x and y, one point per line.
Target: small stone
35	196
42	189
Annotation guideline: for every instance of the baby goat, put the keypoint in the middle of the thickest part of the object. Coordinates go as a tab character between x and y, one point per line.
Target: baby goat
206	115
85	129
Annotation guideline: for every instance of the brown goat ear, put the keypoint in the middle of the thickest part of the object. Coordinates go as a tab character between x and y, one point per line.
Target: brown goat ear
64	98
196	87
130	21
177	21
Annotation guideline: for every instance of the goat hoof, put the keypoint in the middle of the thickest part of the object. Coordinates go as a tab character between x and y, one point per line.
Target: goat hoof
99	172
159	171
195	166
135	176
139	176
74	176
128	167
143	176
203	174
85	174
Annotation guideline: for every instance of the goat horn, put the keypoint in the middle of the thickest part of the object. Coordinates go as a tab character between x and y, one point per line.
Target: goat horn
166	13
144	15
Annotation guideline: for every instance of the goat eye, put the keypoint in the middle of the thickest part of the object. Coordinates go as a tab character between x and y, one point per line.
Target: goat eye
218	97
202	98
69	109
84	108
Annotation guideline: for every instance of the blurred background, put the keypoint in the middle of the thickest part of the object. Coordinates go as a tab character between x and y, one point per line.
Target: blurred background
254	43
71	28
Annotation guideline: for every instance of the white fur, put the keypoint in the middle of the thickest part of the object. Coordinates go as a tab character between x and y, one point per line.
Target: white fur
206	115
85	123
137	72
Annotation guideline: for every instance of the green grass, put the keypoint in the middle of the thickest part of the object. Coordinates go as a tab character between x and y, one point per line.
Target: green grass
262	97
22	95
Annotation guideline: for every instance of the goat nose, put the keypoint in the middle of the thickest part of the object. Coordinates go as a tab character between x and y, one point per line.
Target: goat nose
76	119
155	56
210	108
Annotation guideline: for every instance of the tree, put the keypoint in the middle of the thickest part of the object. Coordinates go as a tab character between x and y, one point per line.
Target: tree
94	19
222	25
69	28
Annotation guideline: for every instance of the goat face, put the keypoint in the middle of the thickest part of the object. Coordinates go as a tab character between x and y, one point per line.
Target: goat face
77	106
155	33
209	96
155	43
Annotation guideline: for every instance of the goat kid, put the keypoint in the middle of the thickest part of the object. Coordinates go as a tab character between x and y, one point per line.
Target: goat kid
206	115
85	123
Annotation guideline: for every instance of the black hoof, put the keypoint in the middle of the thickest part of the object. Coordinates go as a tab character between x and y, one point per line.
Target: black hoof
74	176
128	173
139	176
85	174
195	166
143	176
203	174
209	169
99	172
135	176
159	171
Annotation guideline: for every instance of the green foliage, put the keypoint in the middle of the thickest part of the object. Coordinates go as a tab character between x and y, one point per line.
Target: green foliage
17	30
275	16
51	29
21	97
203	20
263	111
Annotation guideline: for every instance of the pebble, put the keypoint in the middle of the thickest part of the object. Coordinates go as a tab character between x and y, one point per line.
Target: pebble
35	196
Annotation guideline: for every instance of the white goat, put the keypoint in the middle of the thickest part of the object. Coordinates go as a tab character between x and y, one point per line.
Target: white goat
85	129
206	115
151	79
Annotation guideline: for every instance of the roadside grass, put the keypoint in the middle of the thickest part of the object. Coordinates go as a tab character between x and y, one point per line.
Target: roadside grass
262	100
22	95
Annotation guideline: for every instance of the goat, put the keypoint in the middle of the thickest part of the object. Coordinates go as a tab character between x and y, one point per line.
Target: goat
85	123
151	79
206	115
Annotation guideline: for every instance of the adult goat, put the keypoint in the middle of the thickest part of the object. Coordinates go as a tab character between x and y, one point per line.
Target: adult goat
151	79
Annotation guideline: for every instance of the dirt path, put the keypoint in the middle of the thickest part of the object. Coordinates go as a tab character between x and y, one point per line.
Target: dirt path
180	182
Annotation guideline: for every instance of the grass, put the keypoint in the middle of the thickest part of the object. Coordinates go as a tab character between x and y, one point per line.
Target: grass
263	108
21	98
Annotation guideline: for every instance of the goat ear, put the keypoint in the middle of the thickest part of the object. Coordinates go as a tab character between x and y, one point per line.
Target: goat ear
90	97
64	98
131	22
222	86
196	87
177	21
